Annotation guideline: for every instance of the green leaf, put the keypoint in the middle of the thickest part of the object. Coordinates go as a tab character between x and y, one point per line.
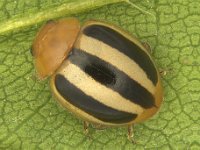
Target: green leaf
31	119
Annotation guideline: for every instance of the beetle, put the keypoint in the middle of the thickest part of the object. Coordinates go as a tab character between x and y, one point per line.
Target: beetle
99	72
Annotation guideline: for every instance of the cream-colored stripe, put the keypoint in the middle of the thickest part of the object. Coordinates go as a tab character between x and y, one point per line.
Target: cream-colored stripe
98	91
111	55
78	112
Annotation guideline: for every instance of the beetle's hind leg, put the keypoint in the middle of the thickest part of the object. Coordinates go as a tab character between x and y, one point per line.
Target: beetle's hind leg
147	46
85	127
130	134
164	72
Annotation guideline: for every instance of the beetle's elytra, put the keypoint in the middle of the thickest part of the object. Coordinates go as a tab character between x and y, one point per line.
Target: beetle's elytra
99	72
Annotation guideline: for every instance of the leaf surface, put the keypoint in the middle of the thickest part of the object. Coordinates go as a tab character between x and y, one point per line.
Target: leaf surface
31	119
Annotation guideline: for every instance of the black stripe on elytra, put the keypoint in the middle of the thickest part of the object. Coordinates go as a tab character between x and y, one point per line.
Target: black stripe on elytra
124	45
101	74
88	104
121	82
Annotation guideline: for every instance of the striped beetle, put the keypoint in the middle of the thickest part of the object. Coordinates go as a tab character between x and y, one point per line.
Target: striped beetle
99	72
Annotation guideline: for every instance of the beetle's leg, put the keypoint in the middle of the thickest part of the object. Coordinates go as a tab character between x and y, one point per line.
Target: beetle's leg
86	129
86	126
50	21
31	50
130	133
147	46
163	72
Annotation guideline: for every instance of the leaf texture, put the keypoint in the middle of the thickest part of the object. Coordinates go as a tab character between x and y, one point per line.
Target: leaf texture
31	119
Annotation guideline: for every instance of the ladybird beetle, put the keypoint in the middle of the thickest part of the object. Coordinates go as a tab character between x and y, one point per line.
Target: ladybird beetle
99	72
